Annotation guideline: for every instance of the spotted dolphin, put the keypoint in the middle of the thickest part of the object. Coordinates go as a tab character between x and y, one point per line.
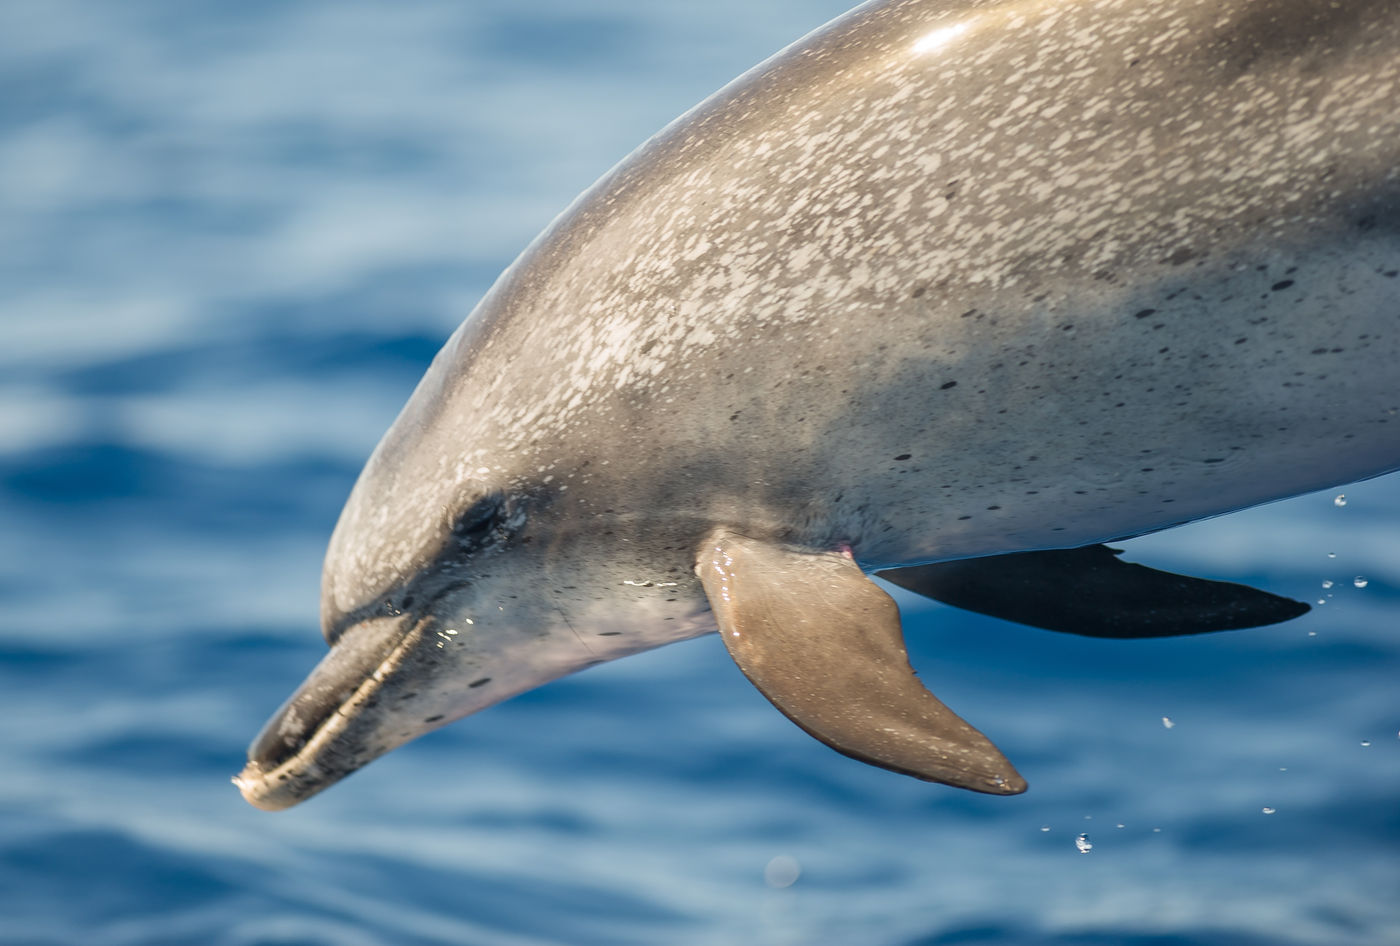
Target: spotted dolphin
954	292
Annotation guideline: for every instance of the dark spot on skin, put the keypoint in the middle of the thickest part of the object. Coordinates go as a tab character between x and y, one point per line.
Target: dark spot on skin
993	508
649	345
1180	257
1214	460
904	456
1240	341
1066	327
735	415
1144	313
961	518
609	633
919	292
432	719
1146	469
1391	273
1281	285
476	683
947	384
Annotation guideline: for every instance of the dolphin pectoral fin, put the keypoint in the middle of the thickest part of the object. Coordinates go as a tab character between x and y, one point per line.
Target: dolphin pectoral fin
1091	591
823	643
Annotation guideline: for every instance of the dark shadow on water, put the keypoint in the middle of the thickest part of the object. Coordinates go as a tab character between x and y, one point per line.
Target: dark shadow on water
107	875
112	480
565	43
1015	936
238	361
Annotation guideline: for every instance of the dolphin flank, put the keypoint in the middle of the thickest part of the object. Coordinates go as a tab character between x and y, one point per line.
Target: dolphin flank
952	292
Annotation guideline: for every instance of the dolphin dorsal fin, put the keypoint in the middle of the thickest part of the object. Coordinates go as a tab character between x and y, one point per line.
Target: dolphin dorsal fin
823	643
1091	591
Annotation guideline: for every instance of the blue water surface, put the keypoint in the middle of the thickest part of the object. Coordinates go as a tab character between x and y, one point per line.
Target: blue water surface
231	238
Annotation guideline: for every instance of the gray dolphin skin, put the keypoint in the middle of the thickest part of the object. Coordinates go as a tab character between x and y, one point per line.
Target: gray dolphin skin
949	291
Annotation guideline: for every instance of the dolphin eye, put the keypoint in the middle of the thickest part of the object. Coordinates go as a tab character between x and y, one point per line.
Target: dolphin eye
478	520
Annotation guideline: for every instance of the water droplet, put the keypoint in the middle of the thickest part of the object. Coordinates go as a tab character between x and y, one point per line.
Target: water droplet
1120	826
1156	830
1167	722
782	871
1045	827
1365	742
1331	554
1361	581
1327	583
1341	500
1269	811
1083	844
1312	633
1321	600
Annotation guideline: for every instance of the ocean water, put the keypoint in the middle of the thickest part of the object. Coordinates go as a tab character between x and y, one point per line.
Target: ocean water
231	238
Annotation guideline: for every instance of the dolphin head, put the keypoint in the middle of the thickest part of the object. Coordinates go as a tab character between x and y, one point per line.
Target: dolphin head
456	578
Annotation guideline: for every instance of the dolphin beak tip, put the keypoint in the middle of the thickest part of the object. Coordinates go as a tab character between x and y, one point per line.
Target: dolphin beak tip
256	791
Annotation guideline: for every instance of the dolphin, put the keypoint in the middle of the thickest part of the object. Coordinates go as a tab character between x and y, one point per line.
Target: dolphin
951	292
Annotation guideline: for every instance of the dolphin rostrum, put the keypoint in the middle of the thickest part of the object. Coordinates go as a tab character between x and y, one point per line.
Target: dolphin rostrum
949	291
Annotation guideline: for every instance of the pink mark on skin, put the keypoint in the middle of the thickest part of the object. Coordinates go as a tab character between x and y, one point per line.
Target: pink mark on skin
846	551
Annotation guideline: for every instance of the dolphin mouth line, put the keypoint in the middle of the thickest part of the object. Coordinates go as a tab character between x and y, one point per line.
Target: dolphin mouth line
298	777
